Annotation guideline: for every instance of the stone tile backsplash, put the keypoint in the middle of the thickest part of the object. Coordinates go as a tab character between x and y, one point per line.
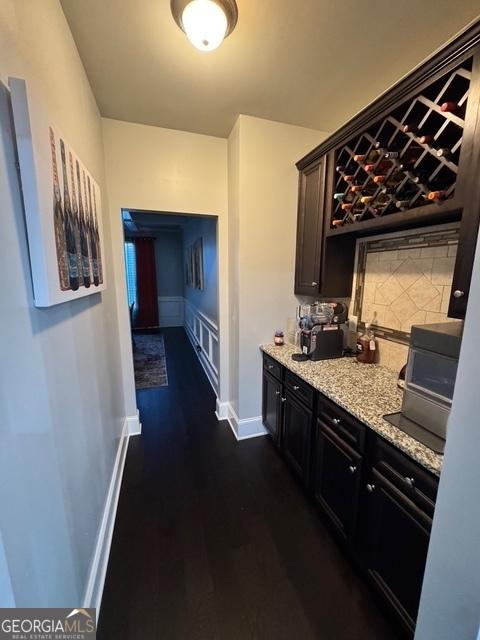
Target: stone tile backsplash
403	279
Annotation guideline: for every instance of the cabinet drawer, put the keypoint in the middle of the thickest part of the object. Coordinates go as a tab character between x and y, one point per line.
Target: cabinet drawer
273	367
405	474
342	423
300	389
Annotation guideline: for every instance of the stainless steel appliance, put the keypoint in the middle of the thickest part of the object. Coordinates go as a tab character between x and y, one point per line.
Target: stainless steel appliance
322	335
429	382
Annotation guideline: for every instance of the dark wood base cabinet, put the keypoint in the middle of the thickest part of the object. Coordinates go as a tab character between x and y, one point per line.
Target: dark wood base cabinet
378	501
296	434
394	537
272	405
337	480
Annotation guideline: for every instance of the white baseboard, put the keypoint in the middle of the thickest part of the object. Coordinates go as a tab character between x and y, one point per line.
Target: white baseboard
98	567
134	425
222	410
246	427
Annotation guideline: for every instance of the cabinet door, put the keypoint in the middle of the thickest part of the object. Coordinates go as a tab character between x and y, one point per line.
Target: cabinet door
310	229
396	538
296	434
337	479
271	406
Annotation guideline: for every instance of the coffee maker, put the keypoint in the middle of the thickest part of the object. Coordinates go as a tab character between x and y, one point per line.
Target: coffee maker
321	331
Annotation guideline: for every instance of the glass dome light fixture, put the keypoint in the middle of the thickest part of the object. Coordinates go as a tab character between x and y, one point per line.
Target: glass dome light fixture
206	23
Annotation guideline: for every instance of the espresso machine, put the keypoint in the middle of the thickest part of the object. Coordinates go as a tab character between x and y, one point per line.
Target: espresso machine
321	332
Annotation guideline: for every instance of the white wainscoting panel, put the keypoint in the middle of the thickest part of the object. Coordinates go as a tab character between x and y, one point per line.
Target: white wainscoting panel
203	334
170	311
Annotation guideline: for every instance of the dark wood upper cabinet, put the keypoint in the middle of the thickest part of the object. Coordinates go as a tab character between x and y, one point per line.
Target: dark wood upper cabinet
310	228
428	124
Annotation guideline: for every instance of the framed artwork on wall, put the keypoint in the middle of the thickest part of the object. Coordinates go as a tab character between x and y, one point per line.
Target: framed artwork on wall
194	276
63	208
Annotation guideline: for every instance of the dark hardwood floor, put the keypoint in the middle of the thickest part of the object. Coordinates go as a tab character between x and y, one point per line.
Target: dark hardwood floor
214	539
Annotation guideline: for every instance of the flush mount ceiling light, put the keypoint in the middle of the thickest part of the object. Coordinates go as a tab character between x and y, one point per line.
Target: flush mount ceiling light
206	23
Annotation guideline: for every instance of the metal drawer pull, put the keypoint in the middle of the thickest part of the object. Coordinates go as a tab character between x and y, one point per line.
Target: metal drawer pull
270	366
458	293
370	488
284	399
336	420
295	387
314	284
277	393
352	469
410	481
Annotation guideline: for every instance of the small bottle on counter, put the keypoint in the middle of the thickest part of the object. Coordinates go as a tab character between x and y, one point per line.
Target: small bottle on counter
366	346
279	337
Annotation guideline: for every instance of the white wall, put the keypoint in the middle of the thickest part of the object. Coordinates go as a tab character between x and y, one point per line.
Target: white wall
450	602
266	205
205	300
60	389
155	169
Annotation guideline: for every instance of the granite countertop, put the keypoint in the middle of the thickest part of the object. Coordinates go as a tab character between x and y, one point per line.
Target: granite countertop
367	391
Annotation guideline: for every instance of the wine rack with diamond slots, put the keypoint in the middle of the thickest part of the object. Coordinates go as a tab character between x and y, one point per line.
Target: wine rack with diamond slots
410	159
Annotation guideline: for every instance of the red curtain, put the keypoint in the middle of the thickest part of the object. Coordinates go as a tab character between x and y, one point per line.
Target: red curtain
147	301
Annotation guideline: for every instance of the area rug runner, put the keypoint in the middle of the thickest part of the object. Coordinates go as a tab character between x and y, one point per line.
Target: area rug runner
149	361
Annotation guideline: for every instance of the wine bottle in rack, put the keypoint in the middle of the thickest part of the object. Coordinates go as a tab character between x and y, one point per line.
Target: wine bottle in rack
450	107
443	153
426	139
58	222
93	241
83	232
410	128
69	226
384	165
97	239
405	198
436	196
76	221
395	178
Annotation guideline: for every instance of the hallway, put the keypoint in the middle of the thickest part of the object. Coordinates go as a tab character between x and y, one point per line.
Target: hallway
214	538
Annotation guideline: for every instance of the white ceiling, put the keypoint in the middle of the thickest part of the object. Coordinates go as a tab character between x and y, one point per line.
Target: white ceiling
306	62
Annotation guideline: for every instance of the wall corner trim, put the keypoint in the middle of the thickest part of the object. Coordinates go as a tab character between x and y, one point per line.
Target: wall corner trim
98	567
246	427
222	410
134	425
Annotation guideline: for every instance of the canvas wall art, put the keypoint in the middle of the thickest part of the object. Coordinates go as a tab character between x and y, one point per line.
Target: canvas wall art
63	208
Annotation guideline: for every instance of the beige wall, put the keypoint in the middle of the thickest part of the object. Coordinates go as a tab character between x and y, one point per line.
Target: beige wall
60	387
157	169
267	215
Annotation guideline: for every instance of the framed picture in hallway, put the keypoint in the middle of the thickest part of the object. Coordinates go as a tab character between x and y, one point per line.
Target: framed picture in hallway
63	209
194	265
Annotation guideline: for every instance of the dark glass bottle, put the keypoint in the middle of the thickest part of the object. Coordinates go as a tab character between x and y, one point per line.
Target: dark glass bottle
87	230
58	222
97	238
76	221
69	227
83	234
93	240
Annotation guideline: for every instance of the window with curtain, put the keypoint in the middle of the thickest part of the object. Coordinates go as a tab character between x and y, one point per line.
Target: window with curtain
131	269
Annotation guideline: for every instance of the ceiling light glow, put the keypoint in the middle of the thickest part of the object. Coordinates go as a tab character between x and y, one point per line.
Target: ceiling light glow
206	23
